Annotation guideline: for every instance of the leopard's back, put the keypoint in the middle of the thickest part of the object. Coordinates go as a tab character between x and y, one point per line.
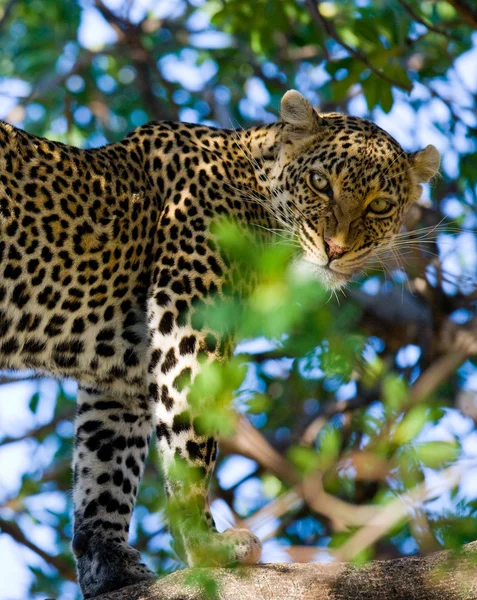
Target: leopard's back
76	230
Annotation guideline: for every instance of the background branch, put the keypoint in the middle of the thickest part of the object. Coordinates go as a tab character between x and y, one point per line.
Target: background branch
466	11
321	22
64	569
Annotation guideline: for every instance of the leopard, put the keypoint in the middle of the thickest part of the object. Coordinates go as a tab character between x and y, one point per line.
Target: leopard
106	255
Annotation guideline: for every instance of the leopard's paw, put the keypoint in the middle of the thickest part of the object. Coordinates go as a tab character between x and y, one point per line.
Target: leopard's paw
246	547
104	566
232	547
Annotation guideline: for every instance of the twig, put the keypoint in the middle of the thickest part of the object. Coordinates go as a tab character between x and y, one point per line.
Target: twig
419	19
436	374
7	12
41	430
63	568
466	12
129	36
321	22
290	501
311	432
385	519
249	442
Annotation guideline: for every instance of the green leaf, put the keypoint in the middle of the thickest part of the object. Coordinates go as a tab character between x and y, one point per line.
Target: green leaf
329	446
411	425
395	392
33	404
259	403
304	458
438	454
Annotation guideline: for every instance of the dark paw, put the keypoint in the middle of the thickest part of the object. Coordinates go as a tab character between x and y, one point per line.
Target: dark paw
105	566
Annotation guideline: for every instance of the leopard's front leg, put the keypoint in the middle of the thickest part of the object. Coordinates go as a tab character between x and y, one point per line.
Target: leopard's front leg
188	453
111	443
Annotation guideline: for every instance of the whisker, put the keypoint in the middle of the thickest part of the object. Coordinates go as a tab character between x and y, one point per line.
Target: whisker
251	195
283	206
425	231
397	158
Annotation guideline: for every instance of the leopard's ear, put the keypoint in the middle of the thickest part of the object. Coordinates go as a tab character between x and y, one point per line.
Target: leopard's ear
298	113
426	163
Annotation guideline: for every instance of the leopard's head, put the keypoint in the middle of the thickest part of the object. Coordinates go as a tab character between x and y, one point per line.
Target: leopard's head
343	185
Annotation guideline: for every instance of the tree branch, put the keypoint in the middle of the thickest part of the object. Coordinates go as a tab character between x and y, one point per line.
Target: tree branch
419	19
387	517
41	430
129	36
321	22
6	12
468	13
440	576
63	568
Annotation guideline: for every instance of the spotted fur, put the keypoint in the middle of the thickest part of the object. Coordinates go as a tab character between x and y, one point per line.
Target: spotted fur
105	255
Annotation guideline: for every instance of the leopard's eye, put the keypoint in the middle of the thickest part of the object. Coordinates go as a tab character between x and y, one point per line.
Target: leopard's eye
380	206
320	184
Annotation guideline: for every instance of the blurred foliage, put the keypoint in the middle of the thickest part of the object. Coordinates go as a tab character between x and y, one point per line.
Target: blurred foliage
350	400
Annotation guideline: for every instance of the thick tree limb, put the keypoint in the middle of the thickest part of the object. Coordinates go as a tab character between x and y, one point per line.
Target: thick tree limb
440	576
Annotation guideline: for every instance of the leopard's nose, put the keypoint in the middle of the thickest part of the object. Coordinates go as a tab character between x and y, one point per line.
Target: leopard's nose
334	250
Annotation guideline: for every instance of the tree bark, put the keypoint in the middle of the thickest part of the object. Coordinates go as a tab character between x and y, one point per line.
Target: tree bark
440	576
